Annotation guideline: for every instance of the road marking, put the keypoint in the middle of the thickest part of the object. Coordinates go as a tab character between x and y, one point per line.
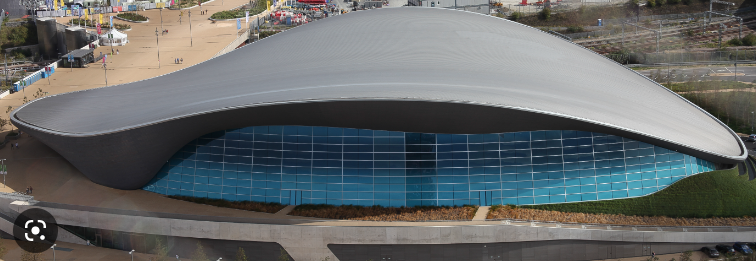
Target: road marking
728	70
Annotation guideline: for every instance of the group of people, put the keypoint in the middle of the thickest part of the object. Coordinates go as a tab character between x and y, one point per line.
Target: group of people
203	12
14	145
179	60
29	190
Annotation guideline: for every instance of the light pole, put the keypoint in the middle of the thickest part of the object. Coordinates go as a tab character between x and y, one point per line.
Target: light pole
105	66
132	254
161	19
191	39
53	248
4	170
157	38
751	127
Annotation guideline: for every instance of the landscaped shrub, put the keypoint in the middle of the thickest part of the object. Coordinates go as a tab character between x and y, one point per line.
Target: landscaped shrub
545	14
132	16
575	29
264	34
258	7
243	205
749	40
378	213
507	212
515	16
735	42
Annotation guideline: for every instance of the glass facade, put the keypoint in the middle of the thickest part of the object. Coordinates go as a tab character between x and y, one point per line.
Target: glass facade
323	165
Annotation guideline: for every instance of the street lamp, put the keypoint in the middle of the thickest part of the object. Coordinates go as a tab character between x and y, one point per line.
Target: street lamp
751	131
3	171
157	38
132	254
53	248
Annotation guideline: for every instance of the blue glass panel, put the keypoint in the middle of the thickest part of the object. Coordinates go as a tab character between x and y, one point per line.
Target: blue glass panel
392	168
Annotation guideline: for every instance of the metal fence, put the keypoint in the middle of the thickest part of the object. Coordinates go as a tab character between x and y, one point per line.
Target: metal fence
729	56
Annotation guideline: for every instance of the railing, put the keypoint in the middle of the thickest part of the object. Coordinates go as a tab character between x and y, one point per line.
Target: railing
35	76
235	43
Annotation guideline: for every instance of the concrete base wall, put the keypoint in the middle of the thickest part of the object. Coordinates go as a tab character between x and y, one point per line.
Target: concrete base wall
310	241
564	250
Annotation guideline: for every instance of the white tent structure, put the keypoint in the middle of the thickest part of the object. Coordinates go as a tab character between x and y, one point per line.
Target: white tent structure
118	38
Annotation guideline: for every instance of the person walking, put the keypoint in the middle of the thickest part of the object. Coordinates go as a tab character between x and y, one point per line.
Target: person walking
31	190
118	51
16	145
182	60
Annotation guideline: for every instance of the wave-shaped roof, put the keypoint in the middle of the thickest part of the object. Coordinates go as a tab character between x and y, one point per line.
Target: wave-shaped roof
418	54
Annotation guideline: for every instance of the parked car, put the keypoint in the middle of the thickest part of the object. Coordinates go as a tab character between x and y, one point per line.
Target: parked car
710	252
743	248
751	137
725	249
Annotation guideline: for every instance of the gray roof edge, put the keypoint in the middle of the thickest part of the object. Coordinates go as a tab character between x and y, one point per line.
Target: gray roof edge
741	157
17	120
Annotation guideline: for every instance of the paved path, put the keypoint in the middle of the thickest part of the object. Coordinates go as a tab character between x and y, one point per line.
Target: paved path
481	214
285	211
138	60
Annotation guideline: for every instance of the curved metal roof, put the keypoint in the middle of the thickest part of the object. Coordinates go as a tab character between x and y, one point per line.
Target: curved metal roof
418	54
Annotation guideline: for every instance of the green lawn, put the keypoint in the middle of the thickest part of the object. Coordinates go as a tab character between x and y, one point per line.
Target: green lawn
714	194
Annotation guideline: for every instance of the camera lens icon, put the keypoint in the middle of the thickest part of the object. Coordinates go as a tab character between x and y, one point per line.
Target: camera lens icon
35	230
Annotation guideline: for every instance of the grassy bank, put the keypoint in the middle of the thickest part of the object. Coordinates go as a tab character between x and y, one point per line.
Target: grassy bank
715	194
258	7
243	205
378	213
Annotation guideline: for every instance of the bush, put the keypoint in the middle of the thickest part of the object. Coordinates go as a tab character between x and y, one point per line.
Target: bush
749	40
661	2
545	14
515	16
673	2
651	3
735	42
243	205
379	213
575	29
132	16
264	34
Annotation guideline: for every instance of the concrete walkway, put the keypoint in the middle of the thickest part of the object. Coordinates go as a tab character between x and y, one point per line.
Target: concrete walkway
285	211
481	214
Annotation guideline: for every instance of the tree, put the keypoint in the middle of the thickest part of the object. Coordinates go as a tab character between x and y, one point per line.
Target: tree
160	251
240	256
199	254
8	111
545	14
